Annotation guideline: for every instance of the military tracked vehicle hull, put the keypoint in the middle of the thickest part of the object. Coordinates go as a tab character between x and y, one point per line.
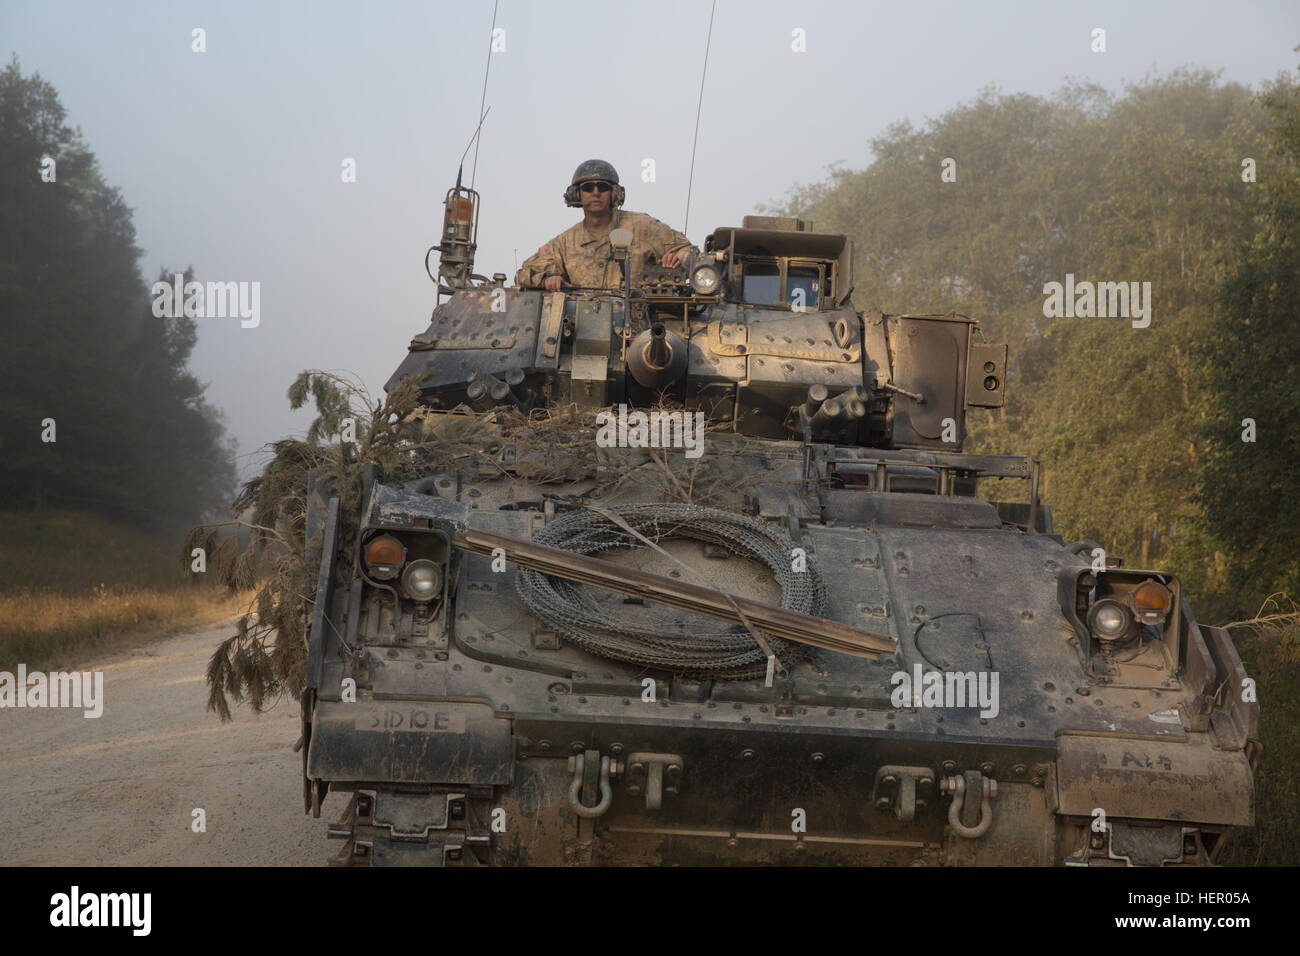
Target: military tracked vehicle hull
937	678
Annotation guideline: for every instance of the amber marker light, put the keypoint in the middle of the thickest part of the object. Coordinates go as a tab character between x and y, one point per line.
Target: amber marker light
385	556
462	209
1151	602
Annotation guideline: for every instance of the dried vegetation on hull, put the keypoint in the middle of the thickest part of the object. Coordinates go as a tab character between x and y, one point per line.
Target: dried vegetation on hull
398	440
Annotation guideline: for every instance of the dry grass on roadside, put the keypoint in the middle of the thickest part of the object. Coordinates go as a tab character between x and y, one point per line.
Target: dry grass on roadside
72	582
39	626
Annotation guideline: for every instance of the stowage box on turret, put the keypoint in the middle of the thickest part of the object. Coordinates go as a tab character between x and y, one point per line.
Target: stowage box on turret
740	601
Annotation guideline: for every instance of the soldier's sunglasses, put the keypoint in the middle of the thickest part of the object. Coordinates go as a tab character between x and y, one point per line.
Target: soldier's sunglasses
594	187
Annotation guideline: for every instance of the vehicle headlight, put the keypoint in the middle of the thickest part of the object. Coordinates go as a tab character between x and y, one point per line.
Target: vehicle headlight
1109	620
422	580
705	279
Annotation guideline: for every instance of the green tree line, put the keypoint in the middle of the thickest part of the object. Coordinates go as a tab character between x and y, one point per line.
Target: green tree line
83	359
1140	429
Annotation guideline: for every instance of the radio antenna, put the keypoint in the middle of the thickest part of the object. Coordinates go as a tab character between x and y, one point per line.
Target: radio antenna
486	70
473	139
699	106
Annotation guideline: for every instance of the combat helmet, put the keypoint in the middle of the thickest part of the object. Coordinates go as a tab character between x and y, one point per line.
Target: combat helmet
594	169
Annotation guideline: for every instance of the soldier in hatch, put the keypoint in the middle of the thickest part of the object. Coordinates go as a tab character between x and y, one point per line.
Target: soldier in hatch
581	255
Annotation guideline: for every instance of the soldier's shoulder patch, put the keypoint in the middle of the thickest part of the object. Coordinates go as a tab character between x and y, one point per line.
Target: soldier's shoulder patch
546	248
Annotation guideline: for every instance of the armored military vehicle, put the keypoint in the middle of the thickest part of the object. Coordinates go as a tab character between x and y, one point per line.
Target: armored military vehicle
755	605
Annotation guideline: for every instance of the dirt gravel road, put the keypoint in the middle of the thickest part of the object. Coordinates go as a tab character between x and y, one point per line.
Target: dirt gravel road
122	788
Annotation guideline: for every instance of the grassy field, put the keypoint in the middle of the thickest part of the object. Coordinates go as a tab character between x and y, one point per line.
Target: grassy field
70	583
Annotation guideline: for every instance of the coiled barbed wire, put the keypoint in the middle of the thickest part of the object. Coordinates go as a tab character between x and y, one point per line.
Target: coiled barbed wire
729	654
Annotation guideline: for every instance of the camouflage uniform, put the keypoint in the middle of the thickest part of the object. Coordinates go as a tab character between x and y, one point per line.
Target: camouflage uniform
583	256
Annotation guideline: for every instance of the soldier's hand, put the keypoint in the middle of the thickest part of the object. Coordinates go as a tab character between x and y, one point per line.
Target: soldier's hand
553	283
670	260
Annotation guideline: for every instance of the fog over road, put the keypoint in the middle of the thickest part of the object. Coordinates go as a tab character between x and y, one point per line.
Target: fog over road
121	789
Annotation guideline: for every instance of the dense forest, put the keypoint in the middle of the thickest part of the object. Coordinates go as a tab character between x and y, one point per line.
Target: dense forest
1181	181
100	412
